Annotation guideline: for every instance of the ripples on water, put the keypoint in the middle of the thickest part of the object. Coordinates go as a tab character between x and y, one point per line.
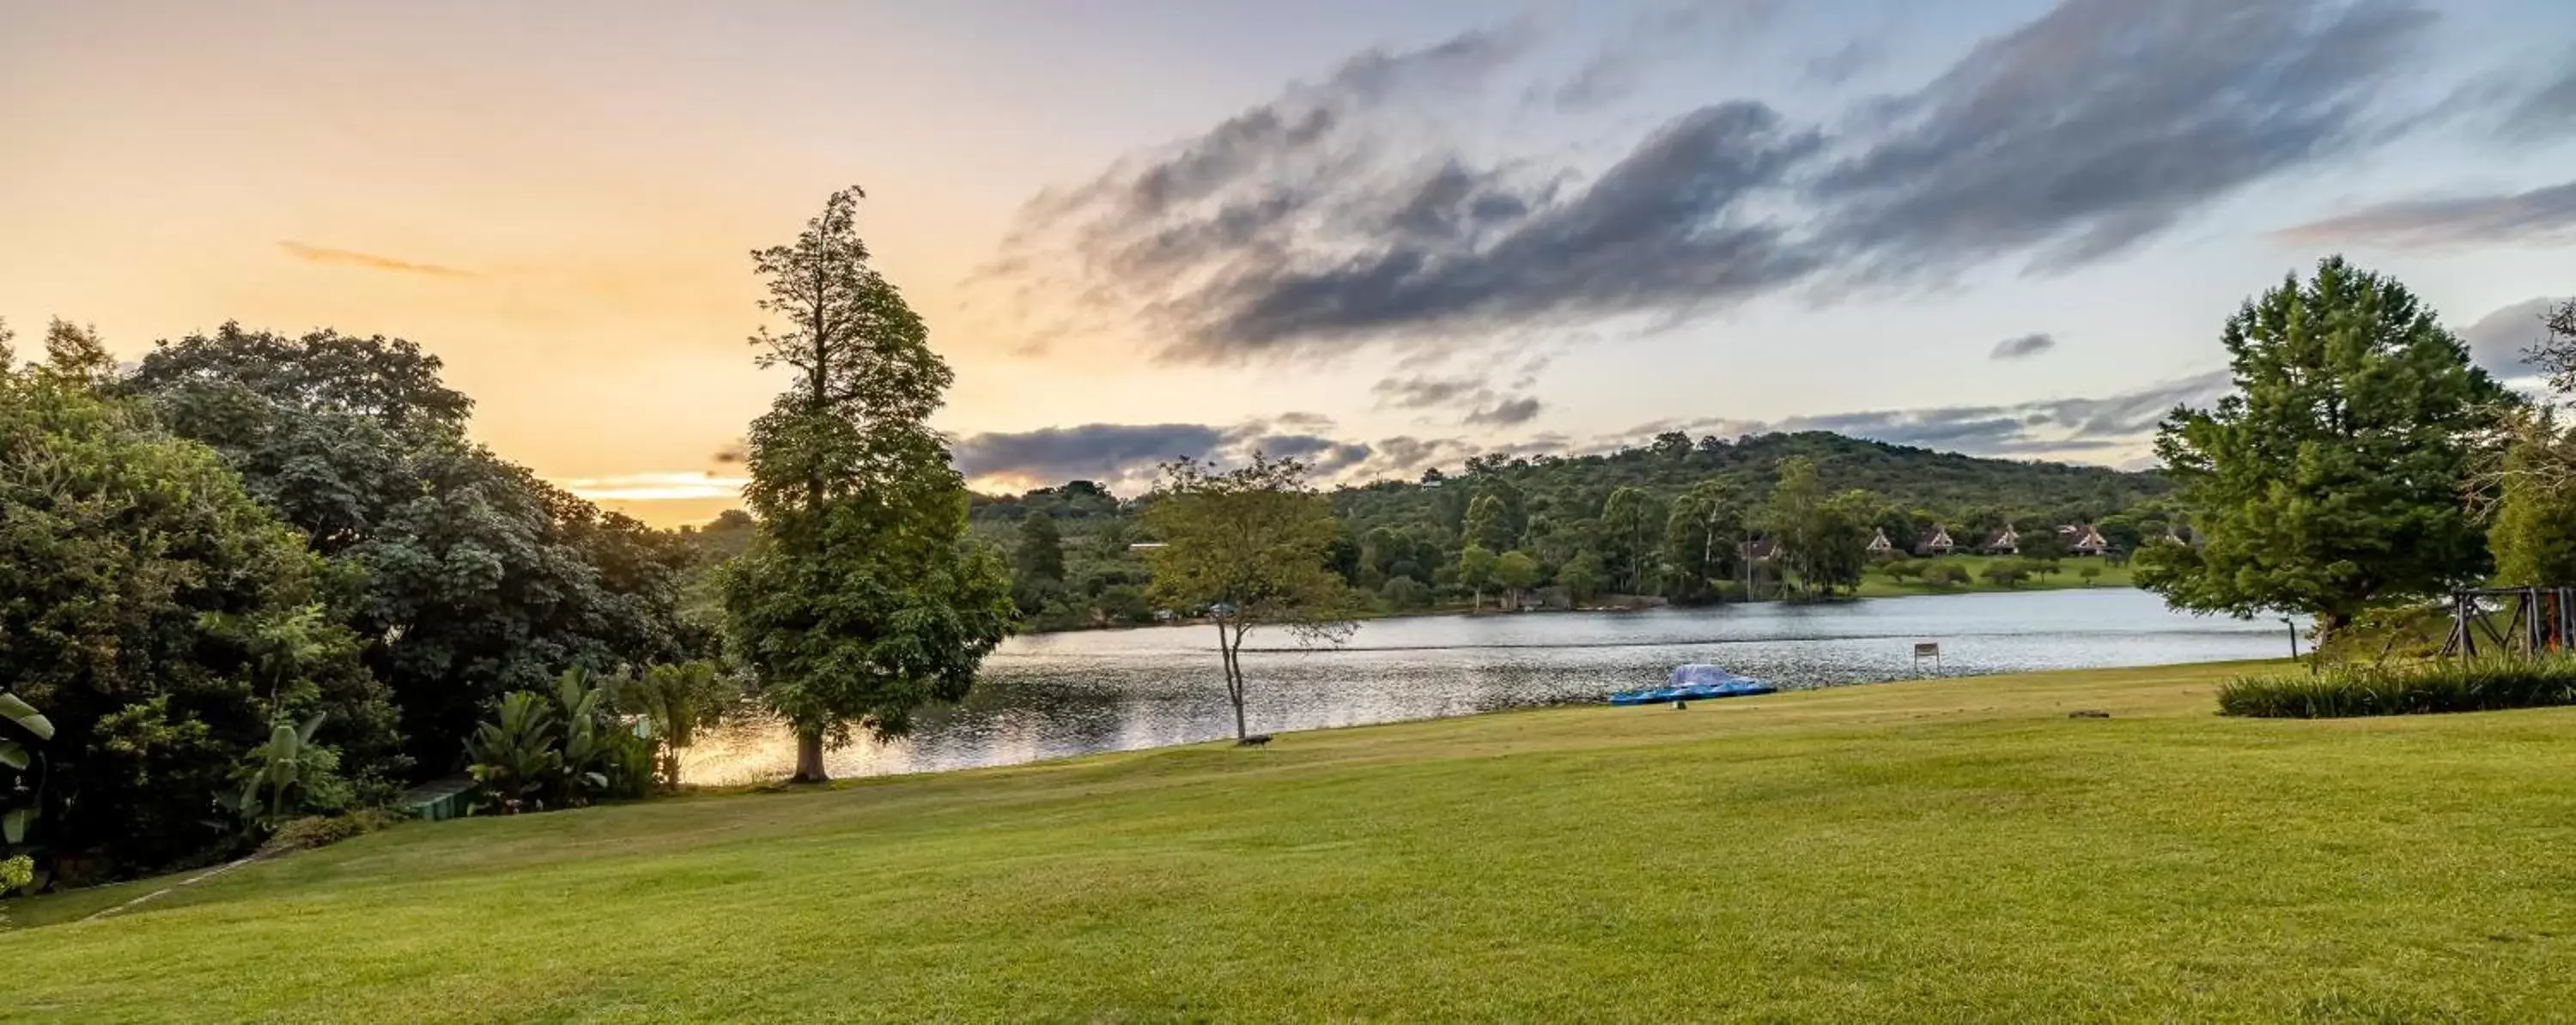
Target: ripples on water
1052	695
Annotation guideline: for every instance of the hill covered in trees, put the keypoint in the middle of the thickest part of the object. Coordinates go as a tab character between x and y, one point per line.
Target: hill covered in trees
1670	518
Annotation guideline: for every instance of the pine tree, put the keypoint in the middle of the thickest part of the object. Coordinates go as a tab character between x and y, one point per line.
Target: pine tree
2331	480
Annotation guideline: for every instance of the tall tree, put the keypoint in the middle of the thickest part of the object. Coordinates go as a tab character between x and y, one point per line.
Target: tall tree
1248	545
1794	516
1836	548
863	599
1037	561
1700	541
1513	513
1489	524
2330	480
2531	537
1631	527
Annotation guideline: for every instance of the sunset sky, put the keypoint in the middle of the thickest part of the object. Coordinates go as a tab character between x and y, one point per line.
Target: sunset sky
1379	236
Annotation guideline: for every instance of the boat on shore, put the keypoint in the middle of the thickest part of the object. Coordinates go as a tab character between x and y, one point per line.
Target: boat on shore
1697	681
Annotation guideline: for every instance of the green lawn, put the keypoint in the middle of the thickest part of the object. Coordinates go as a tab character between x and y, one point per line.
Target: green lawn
1954	850
1877	585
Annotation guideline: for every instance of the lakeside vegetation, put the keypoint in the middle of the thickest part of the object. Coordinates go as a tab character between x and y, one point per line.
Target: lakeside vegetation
1684	520
1956	850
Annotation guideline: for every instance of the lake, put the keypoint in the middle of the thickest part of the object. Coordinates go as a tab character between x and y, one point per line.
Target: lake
1053	695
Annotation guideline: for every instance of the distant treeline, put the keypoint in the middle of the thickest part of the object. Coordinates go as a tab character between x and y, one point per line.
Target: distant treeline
1680	518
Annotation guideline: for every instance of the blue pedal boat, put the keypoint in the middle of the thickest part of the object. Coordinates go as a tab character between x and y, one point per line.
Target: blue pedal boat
1697	681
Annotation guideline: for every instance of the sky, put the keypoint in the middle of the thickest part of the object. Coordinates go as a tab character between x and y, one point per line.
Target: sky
1378	237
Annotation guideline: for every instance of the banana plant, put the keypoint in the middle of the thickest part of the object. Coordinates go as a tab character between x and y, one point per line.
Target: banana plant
516	756
585	751
18	757
277	771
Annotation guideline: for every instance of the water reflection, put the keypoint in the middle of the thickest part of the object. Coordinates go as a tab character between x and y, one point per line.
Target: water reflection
1065	694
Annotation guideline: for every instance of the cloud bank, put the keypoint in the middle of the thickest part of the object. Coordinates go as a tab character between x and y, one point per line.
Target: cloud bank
2540	216
1123	456
1331	218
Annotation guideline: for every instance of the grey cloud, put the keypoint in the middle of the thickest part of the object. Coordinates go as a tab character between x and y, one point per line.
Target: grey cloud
1506	413
1656	231
1325	456
1310	421
2548	112
1091	451
1128	455
2103	123
1323	221
1847	61
2543	215
2023	347
1658	37
2115	422
1405	454
1427	392
2499	340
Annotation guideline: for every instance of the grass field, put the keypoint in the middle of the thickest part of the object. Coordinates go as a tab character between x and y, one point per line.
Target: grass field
1956	850
1876	584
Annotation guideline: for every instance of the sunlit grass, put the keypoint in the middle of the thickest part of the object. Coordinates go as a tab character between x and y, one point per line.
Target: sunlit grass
1945	851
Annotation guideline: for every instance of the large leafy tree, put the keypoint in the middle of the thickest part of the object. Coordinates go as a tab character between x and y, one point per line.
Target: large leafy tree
165	622
468	576
2331	480
1701	536
863	599
2535	484
1248	545
1037	562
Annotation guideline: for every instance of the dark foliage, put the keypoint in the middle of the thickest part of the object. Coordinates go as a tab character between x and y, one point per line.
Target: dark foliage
467	575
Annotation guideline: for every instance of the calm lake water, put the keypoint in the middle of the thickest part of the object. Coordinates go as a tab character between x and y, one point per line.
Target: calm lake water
1054	695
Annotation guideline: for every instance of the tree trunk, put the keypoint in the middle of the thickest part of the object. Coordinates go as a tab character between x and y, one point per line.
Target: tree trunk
1227	643
809	759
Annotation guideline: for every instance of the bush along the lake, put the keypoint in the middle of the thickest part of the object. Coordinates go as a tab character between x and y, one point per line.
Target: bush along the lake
2405	688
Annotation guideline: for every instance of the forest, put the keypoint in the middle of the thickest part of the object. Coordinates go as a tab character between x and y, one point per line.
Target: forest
1673	519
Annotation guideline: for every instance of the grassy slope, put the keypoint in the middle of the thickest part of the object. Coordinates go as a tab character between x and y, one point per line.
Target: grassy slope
1953	850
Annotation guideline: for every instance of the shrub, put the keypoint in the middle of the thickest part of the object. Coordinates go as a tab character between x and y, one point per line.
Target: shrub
2404	688
313	831
2007	572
